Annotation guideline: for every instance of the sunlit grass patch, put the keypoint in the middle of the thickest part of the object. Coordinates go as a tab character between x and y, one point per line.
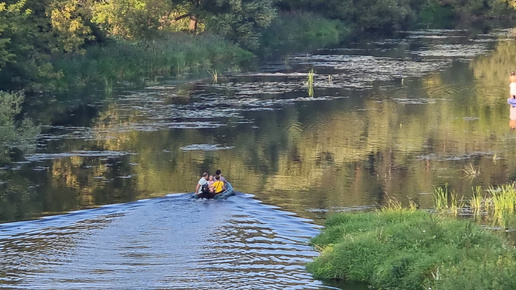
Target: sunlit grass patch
412	249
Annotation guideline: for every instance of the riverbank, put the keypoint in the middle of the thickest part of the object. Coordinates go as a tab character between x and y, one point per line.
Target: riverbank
412	249
182	55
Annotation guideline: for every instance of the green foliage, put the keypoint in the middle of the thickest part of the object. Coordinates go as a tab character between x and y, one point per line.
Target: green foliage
241	21
405	249
370	15
130	19
434	14
390	15
68	25
13	134
34	33
23	60
300	32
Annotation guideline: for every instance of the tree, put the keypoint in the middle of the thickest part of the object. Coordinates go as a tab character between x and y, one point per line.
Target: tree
241	21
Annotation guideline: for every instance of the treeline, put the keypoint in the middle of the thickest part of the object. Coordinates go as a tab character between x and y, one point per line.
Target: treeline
58	45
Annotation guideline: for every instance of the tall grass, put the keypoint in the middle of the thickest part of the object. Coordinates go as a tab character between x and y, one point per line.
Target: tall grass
136	62
503	203
447	202
477	200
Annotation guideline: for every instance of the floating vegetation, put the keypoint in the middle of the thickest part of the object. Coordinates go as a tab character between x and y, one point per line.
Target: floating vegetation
471	171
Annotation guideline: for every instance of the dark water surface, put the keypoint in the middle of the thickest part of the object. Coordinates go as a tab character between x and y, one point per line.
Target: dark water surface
389	118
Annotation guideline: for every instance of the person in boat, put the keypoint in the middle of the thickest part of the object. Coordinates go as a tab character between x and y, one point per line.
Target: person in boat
219	173
512	85
202	185
211	180
219	185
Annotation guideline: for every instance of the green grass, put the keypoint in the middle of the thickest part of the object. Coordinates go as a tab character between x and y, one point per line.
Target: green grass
172	55
412	249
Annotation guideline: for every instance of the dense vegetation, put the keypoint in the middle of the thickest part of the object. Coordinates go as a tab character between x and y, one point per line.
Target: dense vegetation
411	249
38	37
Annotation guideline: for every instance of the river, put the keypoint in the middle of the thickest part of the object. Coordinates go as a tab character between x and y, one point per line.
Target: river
104	202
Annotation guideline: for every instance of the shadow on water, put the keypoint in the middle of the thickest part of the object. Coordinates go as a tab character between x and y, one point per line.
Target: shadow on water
170	242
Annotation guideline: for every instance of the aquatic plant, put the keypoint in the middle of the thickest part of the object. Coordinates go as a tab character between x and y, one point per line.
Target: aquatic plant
503	202
477	200
215	76
440	197
447	202
471	171
310	83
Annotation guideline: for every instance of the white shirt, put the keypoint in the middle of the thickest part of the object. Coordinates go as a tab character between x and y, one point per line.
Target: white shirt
202	182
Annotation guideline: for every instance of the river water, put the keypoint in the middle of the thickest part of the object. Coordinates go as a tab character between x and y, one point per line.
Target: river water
104	201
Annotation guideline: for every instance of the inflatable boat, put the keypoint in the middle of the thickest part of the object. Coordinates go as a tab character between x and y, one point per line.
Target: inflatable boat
225	194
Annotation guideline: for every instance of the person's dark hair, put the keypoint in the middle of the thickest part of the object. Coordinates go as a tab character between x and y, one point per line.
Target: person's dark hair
218	172
217	177
205	174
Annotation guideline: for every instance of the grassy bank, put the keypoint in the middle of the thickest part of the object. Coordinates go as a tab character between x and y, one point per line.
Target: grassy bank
412	249
174	55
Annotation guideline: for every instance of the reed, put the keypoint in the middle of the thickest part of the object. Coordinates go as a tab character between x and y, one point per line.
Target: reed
441	198
477	200
456	204
310	83
214	75
503	203
447	202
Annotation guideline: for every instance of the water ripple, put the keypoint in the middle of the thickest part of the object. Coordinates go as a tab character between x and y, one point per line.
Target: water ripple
170	242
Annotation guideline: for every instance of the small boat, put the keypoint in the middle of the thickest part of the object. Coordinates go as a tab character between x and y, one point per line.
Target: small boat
223	195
